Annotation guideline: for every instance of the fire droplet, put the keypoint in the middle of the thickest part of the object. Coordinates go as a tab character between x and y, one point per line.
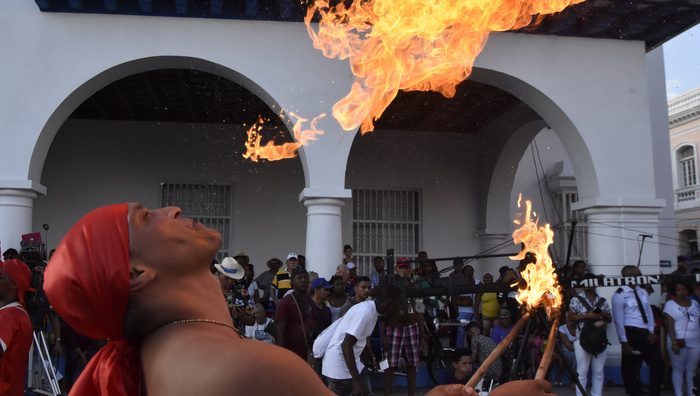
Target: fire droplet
255	151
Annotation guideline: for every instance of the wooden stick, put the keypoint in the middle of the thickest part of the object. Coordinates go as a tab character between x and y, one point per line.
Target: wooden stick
547	356
497	352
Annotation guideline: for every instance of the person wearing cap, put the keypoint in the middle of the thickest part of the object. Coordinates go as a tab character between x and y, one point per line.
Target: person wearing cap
320	291
282	282
401	335
15	327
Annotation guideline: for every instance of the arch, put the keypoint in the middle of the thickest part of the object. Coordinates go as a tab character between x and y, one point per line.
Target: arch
117	72
553	117
498	202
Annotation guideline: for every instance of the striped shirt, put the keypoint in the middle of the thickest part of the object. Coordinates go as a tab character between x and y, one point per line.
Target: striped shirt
282	282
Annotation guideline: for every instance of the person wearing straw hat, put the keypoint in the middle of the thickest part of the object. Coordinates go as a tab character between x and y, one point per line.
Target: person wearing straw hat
15	327
231	268
239	303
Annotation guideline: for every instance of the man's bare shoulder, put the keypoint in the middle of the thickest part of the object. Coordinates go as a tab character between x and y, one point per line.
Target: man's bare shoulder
216	366
270	370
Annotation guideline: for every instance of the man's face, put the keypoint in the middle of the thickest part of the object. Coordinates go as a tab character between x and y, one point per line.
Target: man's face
468	271
249	271
325	293
275	265
300	282
488	278
580	269
379	265
339	286
632	271
292	264
362	290
389	308
226	282
402	271
505	319
162	239
681	290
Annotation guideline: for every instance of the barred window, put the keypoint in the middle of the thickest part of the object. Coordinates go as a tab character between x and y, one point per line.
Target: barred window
384	219
209	204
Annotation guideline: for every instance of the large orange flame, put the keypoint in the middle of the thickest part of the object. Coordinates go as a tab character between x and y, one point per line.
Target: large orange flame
540	286
410	45
271	151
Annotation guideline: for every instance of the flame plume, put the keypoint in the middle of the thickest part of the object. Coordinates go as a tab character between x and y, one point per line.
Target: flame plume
541	288
410	45
271	151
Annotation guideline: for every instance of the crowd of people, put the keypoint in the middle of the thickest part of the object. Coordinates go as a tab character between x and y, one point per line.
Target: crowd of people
301	306
353	324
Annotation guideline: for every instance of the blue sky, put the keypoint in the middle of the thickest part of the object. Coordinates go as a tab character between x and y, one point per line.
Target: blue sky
682	62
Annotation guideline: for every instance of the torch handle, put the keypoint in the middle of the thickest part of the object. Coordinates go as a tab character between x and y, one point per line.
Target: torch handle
497	352
547	356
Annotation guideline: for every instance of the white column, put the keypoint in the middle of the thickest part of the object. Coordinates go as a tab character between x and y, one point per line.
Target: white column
324	243
613	242
615	236
16	207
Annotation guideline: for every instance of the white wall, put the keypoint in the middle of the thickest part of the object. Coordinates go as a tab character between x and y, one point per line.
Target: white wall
93	163
658	113
442	165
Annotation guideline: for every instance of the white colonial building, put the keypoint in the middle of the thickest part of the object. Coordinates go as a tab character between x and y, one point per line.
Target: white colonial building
684	129
111	101
107	101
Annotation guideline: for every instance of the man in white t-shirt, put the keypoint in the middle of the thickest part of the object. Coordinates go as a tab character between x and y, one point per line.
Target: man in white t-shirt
342	367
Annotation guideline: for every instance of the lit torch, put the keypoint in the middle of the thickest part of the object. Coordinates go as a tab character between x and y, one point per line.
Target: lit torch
539	288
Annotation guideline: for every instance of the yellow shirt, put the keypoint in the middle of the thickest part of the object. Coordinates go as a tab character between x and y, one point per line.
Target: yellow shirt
489	305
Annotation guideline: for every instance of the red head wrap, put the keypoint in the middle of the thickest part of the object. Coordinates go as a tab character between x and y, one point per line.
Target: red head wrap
87	282
20	274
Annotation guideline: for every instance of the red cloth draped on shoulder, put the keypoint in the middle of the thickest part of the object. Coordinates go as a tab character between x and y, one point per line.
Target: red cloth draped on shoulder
87	282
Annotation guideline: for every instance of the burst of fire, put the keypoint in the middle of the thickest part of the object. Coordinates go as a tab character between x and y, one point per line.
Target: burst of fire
271	151
540	286
410	45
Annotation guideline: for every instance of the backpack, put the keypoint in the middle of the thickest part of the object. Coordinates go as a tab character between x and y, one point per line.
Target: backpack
593	339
